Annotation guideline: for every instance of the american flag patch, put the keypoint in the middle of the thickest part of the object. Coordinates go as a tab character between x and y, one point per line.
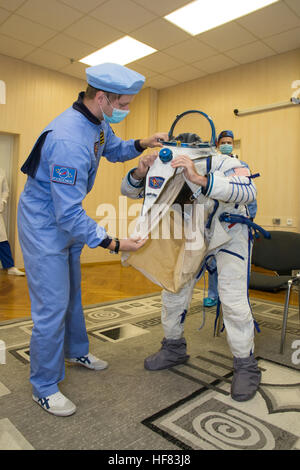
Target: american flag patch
240	171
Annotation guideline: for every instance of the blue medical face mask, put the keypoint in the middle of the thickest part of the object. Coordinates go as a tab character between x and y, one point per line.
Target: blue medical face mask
117	115
226	149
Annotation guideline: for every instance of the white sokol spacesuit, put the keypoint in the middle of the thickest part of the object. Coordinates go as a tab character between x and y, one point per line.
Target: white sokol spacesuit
229	187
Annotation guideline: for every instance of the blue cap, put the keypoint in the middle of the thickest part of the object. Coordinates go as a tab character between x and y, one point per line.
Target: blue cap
225	134
166	155
115	78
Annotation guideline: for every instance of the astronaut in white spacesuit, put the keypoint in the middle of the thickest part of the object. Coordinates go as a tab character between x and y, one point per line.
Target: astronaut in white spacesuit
223	185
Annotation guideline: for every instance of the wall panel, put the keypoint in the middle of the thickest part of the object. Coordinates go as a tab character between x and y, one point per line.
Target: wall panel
35	96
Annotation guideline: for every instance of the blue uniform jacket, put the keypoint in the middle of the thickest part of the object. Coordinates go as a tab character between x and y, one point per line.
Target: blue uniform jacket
61	171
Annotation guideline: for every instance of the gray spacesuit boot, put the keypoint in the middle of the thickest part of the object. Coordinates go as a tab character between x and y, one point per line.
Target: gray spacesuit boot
246	378
172	353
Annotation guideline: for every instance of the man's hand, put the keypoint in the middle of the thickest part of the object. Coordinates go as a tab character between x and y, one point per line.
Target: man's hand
144	163
190	172
128	244
154	140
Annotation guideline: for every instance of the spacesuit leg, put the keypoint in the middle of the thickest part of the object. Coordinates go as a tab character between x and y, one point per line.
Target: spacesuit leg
174	310
76	338
233	263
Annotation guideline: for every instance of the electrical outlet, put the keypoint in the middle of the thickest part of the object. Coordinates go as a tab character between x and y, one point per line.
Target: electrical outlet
276	221
289	221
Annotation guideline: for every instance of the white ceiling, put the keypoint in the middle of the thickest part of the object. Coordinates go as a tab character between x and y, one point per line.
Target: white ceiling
57	33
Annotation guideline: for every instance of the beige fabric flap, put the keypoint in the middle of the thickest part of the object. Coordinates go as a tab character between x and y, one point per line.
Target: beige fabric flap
170	262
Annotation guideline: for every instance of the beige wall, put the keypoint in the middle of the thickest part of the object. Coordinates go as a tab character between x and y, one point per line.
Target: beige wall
35	96
270	141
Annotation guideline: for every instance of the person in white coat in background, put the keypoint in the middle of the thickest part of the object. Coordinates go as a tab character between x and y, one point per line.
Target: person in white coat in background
6	257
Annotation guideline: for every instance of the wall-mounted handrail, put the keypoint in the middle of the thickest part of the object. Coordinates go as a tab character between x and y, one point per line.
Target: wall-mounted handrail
268	107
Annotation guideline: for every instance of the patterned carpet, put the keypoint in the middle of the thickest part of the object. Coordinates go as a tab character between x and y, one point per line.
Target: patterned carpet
126	407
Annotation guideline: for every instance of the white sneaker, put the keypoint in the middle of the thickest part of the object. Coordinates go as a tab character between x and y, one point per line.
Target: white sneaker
89	361
56	404
15	271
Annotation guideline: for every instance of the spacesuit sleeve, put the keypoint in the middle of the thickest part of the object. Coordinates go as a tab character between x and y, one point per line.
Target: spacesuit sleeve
69	165
235	185
131	187
118	150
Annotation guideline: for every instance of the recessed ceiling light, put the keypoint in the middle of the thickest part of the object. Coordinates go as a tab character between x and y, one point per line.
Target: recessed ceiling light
123	51
202	15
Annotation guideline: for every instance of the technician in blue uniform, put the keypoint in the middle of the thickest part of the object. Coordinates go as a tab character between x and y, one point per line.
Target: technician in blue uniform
53	227
225	147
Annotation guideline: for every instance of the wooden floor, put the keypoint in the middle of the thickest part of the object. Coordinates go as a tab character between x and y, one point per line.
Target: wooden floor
101	282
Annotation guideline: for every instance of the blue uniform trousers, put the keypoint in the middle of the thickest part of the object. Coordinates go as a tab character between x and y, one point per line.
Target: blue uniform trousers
54	280
5	255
